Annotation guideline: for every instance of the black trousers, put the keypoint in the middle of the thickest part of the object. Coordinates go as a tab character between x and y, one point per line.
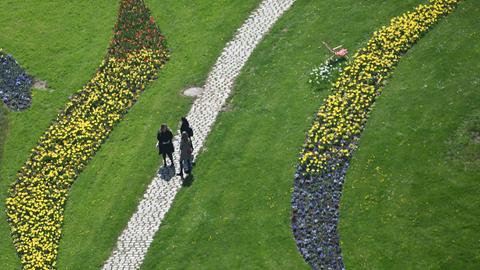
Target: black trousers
170	155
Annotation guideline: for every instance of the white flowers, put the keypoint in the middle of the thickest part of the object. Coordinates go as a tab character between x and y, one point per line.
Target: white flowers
323	75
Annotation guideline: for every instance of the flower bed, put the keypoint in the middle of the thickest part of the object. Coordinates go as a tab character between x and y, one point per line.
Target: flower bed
336	130
15	84
36	200
322	76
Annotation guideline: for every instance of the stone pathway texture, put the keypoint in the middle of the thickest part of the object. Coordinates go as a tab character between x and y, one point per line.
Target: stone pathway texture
133	243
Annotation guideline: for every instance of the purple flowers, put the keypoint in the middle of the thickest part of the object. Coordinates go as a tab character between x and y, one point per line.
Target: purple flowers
315	204
335	133
15	84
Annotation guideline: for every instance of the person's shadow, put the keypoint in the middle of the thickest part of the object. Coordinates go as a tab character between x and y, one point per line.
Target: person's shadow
166	173
188	181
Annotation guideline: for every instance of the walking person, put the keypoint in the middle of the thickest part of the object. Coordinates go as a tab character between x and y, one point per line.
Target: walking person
186	156
165	144
186	127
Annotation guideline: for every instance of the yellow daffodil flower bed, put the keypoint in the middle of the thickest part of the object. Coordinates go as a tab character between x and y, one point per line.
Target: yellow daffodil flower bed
341	119
336	130
36	200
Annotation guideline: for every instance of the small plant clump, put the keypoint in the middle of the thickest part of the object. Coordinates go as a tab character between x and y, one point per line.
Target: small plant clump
322	76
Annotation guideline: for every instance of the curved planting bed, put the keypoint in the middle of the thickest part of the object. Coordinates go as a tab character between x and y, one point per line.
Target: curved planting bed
336	131
37	198
15	83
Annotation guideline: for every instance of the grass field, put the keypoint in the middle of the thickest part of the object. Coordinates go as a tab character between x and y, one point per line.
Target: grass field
411	195
236	213
62	43
106	193
3	127
3	132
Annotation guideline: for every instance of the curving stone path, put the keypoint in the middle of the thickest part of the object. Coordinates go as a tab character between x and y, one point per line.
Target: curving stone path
133	243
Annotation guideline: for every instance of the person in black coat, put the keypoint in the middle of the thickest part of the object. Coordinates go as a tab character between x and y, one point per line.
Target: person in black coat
165	144
185	127
186	151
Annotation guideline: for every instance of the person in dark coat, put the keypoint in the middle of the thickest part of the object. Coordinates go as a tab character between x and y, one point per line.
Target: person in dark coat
186	156
185	127
165	144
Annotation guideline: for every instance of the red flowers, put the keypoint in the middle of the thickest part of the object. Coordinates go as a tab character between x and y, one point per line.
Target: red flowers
135	29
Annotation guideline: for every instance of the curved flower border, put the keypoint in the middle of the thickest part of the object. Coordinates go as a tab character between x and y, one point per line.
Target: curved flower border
336	130
36	201
15	83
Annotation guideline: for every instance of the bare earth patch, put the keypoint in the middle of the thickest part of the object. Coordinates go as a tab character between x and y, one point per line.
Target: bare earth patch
193	91
39	84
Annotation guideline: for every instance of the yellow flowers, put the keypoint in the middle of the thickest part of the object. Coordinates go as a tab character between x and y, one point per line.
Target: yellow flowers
340	120
35	205
36	200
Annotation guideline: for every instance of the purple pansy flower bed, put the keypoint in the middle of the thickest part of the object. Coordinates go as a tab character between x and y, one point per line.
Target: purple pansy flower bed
15	84
315	204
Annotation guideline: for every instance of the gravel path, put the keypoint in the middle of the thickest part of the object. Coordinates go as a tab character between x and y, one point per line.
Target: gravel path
133	243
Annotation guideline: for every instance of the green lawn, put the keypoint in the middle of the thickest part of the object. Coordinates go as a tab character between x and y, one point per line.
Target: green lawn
62	42
236	214
107	192
411	195
4	247
3	126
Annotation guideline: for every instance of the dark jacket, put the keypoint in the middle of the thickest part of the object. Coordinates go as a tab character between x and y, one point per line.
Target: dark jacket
165	145
186	127
186	149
